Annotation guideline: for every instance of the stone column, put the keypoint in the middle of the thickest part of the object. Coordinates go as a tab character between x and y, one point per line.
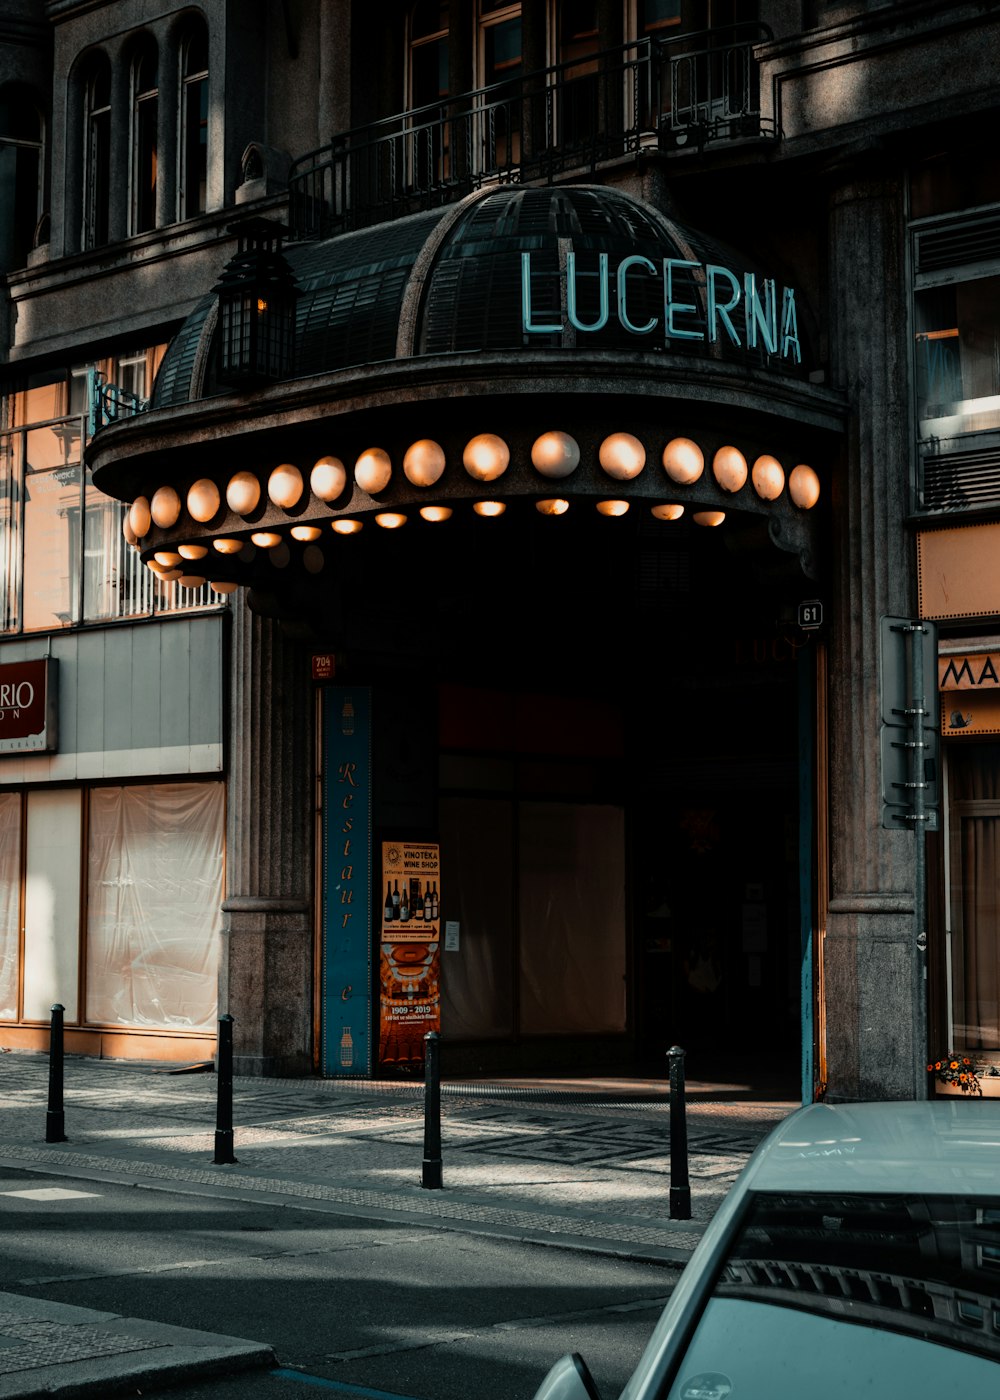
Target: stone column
870	954
266	977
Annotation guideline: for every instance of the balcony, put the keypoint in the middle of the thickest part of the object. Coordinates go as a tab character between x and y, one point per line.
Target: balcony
689	92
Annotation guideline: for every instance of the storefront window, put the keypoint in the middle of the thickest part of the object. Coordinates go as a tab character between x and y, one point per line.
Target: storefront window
10	901
974	896
154	896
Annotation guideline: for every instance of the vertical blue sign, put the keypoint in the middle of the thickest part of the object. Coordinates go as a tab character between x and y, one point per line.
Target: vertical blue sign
345	1028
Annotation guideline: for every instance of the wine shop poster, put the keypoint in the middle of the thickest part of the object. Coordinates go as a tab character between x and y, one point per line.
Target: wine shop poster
410	949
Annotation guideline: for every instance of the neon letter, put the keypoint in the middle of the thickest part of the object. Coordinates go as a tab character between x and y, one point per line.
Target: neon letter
602	273
718	310
790	326
526	322
670	306
634	261
762	318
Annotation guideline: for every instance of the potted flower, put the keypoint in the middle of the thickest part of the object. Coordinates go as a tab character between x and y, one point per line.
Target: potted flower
957	1072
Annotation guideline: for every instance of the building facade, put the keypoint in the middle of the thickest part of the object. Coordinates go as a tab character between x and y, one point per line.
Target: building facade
500	503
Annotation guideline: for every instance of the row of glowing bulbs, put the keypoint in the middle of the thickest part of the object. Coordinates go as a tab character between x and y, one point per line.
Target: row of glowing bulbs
555	455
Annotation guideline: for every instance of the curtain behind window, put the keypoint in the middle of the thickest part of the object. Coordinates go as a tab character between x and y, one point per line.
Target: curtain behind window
154	898
10	901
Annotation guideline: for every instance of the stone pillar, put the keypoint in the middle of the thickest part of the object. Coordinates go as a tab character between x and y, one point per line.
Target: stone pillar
266	977
870	955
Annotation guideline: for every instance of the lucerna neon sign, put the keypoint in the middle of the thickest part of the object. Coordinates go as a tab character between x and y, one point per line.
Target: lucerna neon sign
745	313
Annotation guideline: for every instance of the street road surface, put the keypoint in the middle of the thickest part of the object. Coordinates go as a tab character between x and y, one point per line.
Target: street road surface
351	1305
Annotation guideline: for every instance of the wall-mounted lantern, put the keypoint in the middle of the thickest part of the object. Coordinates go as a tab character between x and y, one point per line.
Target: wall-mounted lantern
256	307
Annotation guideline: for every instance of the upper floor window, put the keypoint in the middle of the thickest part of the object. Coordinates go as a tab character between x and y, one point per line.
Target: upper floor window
193	189
97	154
956	324
22	173
145	93
499	41
428	69
63	556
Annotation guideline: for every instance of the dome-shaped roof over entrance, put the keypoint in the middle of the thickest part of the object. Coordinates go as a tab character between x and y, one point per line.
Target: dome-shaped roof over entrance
512	268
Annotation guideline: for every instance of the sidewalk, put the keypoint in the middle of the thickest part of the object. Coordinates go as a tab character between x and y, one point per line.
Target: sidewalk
581	1164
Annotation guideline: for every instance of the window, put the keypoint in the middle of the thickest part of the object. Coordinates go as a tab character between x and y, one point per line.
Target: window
22	173
142	212
146	867
63	557
97	155
428	76
193	189
956	359
499	61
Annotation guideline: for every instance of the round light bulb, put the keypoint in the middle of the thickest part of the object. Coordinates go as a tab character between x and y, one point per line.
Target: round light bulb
486	457
346	527
165	507
192	551
372	470
667	512
227	546
555	455
729	467
265	539
436	513
128	532
285	486
139	517
622	456
709	517
224	586
191	581
167	557
243	493
390	519
768	477
423	462
554	506
683	461
489	508
614	508
306	533
803	486
328	479
203	500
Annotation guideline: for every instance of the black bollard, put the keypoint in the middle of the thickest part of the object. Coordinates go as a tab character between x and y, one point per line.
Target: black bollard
224	1111
431	1177
55	1118
680	1190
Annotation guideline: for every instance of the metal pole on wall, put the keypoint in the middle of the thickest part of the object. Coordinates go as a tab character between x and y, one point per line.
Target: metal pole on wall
680	1190
919	814
224	1107
55	1118
431	1175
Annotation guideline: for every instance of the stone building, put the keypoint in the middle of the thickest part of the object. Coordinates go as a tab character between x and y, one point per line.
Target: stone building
541	455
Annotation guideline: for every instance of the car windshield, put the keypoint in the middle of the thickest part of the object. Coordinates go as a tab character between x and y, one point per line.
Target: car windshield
855	1295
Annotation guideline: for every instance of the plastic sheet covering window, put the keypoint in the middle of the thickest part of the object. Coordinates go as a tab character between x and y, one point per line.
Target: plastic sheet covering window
155	891
10	892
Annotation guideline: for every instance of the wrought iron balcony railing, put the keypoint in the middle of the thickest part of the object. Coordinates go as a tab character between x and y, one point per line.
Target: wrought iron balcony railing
690	91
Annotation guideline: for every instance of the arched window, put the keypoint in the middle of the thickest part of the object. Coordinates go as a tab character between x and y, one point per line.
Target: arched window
97	154
193	189
22	173
142	203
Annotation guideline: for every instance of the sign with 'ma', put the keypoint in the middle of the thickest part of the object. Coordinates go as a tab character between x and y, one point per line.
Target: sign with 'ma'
28	707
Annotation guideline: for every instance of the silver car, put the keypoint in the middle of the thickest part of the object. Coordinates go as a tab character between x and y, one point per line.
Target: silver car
857	1255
